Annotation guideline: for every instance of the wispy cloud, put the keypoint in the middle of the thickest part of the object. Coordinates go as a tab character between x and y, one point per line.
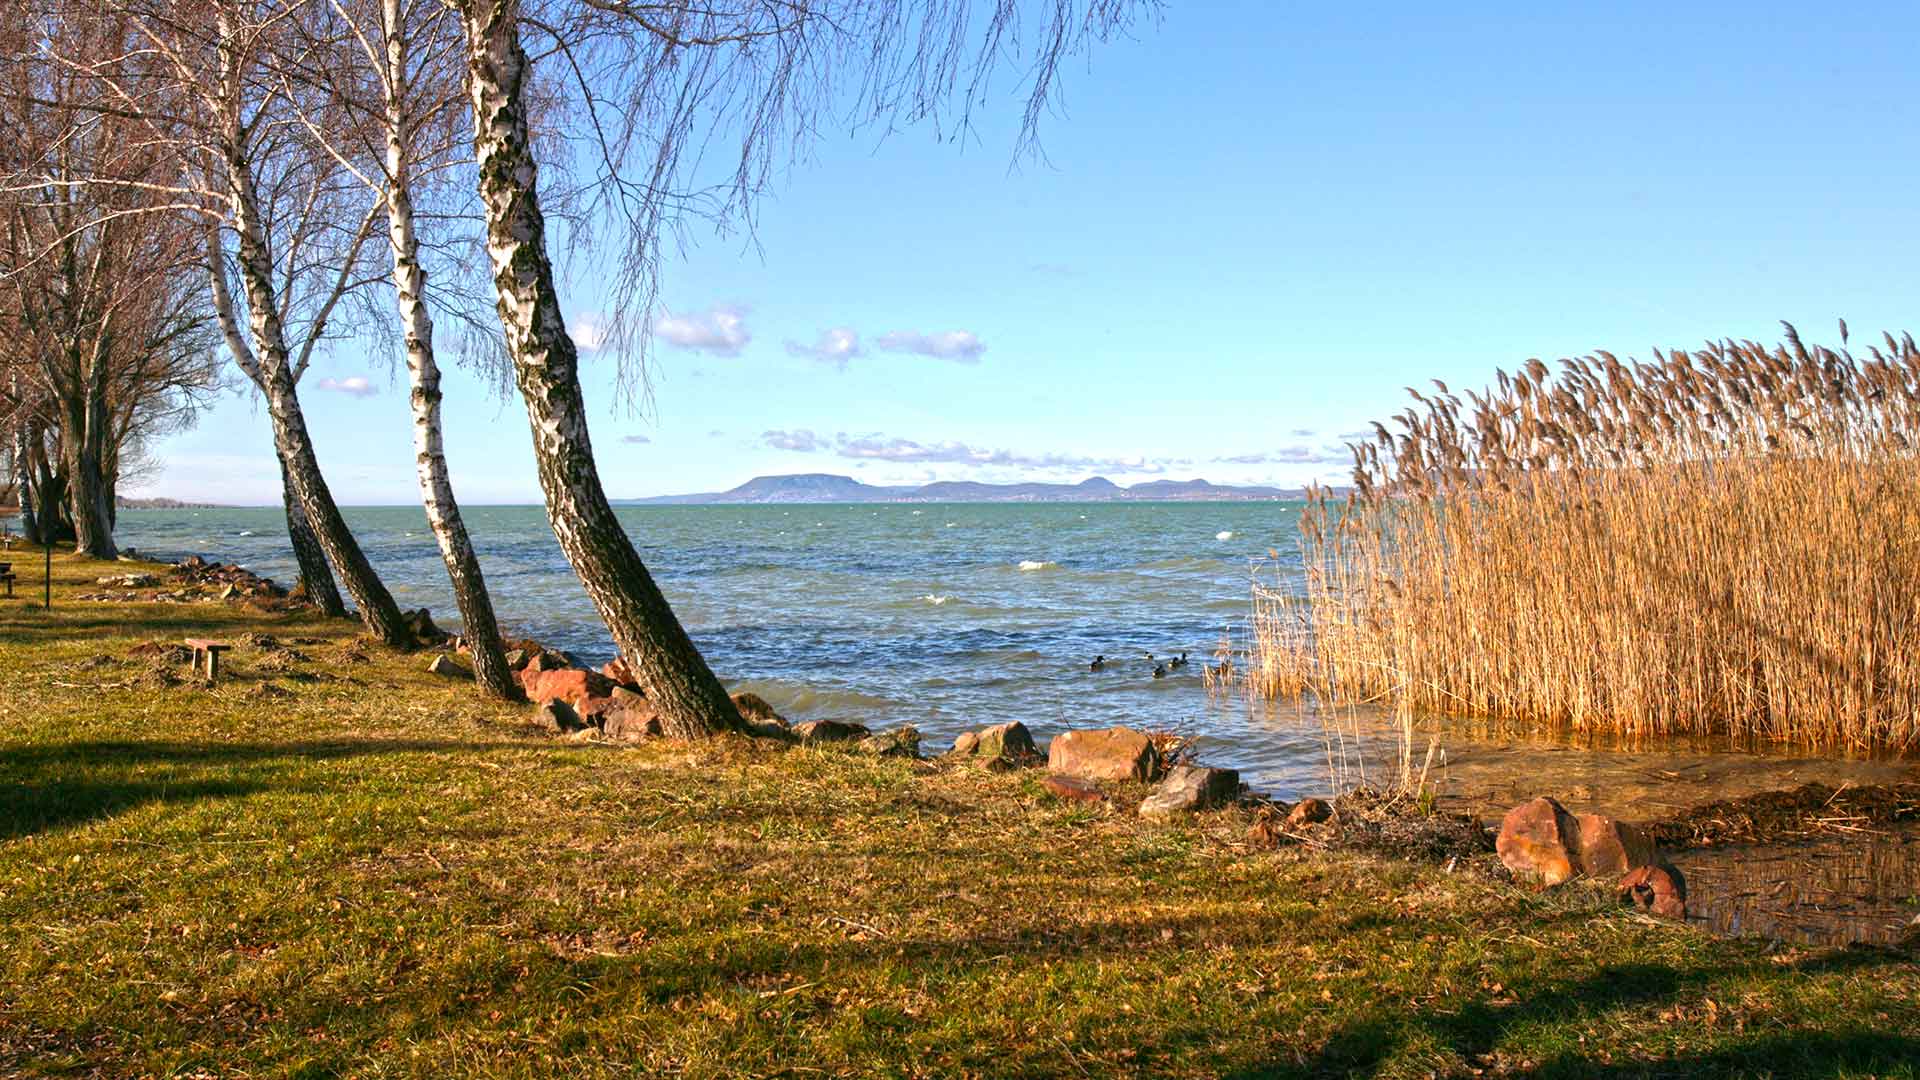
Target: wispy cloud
1299	454
352	385
961	346
720	330
800	439
834	346
635	440
894	450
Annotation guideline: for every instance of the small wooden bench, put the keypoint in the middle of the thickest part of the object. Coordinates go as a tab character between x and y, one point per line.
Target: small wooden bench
211	650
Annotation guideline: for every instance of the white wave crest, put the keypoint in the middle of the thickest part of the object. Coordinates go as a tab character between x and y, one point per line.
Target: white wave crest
1032	564
1224	534
936	600
246	532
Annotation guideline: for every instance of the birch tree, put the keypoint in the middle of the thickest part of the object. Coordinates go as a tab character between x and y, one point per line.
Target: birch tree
391	71
658	85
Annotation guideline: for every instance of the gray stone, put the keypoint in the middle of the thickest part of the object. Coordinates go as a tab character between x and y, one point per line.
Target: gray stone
1010	740
1191	787
557	717
448	666
826	731
903	741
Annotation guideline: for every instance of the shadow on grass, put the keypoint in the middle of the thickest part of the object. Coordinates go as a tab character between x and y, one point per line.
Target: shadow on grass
61	785
1476	1029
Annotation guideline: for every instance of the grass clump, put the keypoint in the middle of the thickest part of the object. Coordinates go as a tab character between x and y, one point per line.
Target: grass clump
1717	542
373	873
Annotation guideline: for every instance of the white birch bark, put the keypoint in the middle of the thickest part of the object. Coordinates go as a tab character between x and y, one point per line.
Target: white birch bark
670	669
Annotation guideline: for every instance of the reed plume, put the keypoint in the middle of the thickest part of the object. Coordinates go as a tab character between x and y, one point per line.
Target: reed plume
1718	542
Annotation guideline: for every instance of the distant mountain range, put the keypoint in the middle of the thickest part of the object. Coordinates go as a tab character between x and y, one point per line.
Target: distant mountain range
828	488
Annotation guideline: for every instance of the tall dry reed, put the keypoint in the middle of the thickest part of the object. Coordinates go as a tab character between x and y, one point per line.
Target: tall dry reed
1720	542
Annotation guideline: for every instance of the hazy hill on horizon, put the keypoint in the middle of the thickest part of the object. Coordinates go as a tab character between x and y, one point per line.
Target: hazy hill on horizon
833	488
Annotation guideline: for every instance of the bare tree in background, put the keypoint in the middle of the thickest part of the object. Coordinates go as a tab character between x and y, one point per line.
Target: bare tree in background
658	85
199	76
397	88
102	311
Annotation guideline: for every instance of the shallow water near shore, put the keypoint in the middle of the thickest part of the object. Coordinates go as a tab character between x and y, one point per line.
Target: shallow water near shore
950	616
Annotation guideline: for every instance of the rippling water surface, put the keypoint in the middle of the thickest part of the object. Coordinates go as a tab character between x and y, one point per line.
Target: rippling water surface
957	615
944	616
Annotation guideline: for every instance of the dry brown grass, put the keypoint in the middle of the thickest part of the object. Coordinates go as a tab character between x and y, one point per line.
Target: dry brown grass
1722	542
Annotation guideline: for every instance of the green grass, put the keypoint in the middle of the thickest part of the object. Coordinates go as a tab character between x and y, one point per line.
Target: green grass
375	874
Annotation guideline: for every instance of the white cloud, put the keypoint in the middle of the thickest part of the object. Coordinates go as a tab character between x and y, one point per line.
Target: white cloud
635	440
720	330
962	346
800	439
352	385
589	332
834	346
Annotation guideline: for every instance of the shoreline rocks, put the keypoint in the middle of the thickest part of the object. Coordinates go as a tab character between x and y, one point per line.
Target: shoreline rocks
1190	788
1119	753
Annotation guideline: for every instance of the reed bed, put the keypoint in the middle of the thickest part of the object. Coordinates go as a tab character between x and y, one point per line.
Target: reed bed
1720	542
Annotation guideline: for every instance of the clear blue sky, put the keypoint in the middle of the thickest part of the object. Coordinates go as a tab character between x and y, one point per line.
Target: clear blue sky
1257	223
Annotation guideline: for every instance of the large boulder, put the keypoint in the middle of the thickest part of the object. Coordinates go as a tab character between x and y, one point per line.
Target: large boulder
1609	848
1191	787
1119	753
1541	841
1010	741
1538	840
572	685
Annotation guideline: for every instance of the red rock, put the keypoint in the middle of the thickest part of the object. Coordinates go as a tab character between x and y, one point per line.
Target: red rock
1608	849
1538	840
544	661
622	675
571	685
1119	753
1073	789
1658	889
1308	812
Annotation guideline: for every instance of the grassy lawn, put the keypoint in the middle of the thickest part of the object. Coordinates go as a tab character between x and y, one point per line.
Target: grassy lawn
338	867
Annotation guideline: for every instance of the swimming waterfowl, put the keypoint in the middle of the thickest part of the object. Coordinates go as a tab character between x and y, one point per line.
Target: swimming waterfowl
1159	671
1099	663
1178	661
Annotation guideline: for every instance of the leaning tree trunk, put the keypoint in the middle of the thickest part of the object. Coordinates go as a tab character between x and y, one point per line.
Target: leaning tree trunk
316	580
690	700
275	377
477	621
